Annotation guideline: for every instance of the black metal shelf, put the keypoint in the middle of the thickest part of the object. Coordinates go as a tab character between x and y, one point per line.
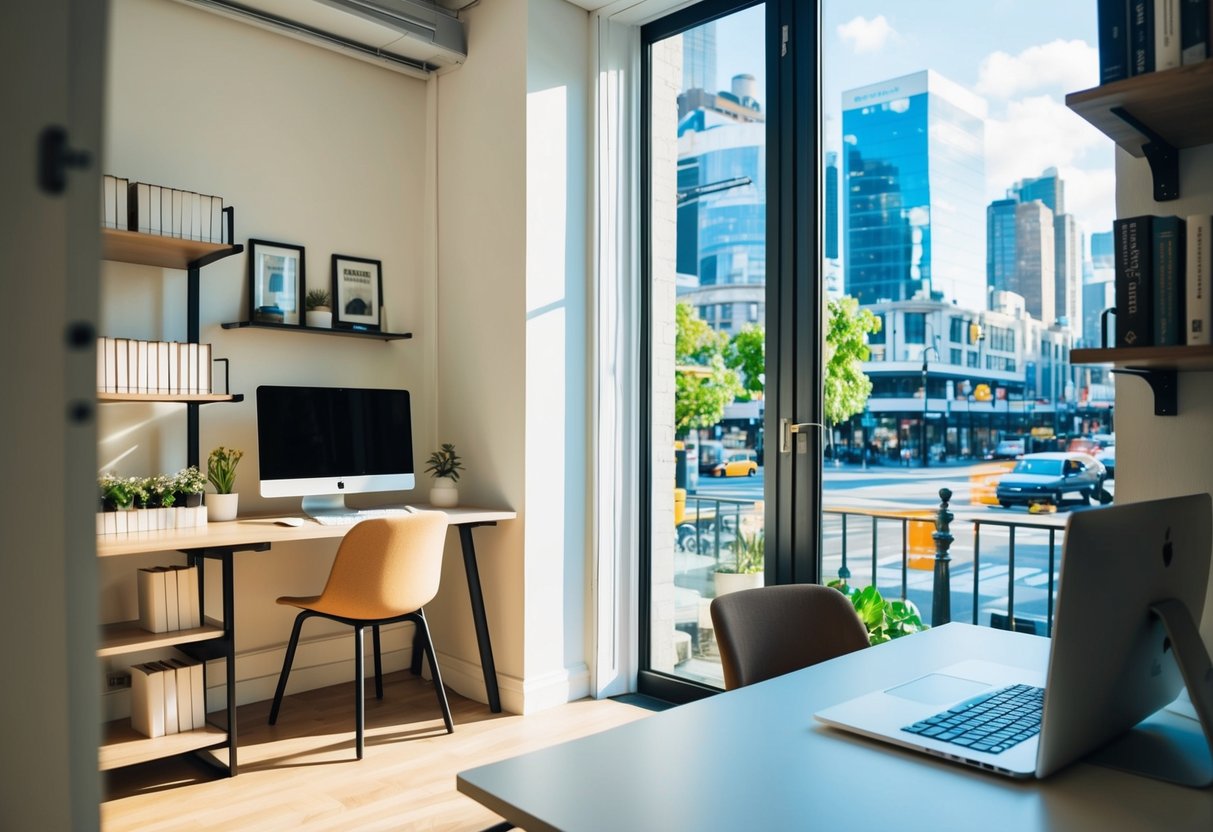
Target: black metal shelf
356	333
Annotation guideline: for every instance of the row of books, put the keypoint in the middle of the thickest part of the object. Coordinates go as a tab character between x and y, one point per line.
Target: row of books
127	365
156	209
1140	36
1162	276
168	598
150	519
167	697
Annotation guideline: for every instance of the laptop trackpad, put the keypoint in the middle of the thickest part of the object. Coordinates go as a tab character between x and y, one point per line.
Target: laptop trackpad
939	689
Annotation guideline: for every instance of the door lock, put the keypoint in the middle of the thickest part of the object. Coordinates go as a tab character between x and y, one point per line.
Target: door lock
787	427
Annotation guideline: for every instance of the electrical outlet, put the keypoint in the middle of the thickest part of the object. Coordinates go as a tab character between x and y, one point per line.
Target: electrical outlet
117	680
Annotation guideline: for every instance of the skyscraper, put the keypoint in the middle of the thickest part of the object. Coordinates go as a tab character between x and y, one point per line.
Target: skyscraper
1067	272
1047	187
699	58
1035	260
913	178
1000	244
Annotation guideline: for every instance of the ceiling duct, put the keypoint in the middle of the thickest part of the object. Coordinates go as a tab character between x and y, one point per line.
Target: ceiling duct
411	36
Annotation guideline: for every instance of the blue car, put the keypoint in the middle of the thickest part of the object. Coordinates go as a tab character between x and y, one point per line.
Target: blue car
1052	478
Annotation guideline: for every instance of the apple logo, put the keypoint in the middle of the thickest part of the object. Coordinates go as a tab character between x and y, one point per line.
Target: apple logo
1166	548
1167	556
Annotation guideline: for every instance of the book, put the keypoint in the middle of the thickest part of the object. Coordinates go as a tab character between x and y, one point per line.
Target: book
141	366
109	201
171	597
162	359
1168	279
1132	260
1197	308
1113	26
153	605
216	220
169	673
205	382
1141	36
121	365
198	694
166	212
185	707
174	368
1166	34
121	213
110	348
188	614
195	216
147	700
191	383
102	342
139	204
177	200
1193	31
153	211
204	215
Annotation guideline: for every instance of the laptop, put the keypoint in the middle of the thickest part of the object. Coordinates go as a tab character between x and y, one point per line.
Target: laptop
1111	663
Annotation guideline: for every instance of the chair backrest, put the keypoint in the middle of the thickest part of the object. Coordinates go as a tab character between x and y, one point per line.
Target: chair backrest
387	566
773	630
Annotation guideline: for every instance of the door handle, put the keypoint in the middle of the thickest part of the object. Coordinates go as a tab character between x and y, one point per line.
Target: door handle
787	427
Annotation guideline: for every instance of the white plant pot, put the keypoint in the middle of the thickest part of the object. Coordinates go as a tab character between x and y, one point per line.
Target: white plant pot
444	494
727	582
318	318
221	506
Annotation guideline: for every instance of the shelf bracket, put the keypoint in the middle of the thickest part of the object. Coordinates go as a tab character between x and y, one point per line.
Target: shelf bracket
1163	158
1164	383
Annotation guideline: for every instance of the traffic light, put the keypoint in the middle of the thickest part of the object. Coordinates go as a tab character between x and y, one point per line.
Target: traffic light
975	333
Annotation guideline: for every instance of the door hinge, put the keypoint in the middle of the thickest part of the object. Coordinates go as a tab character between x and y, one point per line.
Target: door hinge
55	157
783	41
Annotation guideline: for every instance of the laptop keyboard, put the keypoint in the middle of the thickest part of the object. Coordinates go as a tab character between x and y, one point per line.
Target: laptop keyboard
992	722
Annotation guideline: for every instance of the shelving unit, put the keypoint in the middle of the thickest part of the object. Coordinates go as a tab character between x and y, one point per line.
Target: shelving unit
122	745
355	333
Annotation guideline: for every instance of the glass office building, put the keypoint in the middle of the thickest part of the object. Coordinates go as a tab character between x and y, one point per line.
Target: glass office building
914	184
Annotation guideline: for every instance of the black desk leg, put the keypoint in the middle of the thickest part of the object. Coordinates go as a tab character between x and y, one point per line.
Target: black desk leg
229	628
487	666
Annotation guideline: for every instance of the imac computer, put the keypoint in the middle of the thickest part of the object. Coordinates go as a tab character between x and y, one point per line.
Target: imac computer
321	443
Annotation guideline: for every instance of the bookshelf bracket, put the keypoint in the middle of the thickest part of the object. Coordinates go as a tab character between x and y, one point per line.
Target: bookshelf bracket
1164	383
1162	156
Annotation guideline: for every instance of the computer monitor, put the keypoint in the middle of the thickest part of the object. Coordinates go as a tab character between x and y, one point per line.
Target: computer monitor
321	443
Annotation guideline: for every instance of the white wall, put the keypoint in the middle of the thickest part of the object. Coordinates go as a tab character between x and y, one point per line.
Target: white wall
1165	456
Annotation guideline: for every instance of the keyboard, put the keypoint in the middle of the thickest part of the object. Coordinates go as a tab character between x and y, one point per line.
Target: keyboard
358	516
992	722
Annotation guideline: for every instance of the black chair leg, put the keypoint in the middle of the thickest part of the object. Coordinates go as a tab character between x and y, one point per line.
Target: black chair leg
378	663
424	630
359	692
286	665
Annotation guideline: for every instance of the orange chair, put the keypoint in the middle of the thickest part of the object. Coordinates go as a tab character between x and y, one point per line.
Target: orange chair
385	571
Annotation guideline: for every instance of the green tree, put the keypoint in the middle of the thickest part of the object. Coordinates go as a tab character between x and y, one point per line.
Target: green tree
748	355
703	383
847	387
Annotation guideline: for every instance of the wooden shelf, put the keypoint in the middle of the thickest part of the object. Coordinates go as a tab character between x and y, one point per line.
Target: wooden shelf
356	333
196	398
155	250
1177	104
122	745
127	637
1153	358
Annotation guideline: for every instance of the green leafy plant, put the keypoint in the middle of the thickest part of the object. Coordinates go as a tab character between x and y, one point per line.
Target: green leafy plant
122	493
316	299
749	553
189	481
445	463
884	619
161	491
221	468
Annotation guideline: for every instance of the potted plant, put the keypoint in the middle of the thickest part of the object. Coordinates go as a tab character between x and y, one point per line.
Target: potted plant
120	493
189	485
746	569
221	471
444	465
884	619
318	312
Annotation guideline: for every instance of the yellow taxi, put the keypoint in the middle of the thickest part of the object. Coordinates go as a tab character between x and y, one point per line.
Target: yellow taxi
736	464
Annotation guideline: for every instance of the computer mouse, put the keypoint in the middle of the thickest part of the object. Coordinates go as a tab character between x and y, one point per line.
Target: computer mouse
289	521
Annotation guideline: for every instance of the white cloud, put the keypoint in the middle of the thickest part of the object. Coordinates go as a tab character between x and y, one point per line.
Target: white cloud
865	35
1063	64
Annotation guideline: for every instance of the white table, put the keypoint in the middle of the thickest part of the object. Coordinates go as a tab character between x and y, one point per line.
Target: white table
755	759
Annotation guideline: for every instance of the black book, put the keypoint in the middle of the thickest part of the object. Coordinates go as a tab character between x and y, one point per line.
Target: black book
1168	278
1193	31
1113	23
1132	238
1141	36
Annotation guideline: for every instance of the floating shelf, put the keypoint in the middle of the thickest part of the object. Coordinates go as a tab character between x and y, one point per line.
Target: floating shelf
167	252
356	333
122	745
1157	366
127	636
195	398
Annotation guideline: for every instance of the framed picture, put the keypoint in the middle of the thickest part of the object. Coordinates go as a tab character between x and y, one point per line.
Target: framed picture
357	293
275	273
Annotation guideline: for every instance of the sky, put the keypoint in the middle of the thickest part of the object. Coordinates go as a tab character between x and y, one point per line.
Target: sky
1021	56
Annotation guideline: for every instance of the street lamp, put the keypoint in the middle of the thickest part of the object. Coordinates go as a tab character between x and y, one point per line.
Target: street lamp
926	457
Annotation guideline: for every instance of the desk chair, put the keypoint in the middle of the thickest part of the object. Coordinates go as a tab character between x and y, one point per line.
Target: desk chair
769	631
386	570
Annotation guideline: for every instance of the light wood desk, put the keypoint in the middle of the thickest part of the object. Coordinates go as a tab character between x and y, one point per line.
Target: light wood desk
220	541
755	758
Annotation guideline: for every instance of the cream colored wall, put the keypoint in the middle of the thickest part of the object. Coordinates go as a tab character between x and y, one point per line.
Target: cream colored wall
1165	456
311	148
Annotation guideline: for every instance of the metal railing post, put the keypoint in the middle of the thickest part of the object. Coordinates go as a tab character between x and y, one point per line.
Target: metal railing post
941	598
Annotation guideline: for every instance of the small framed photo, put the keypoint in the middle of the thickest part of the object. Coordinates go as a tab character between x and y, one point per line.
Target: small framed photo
275	282
357	293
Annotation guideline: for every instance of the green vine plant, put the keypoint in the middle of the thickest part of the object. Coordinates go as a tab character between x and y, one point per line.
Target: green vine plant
884	619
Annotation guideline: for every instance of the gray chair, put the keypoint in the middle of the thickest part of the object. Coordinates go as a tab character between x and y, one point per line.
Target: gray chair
773	630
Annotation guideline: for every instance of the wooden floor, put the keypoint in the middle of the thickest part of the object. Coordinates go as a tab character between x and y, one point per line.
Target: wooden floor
301	774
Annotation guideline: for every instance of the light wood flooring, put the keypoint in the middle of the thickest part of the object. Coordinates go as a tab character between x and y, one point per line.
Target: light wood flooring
301	774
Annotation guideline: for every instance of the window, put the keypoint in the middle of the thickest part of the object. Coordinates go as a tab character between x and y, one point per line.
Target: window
956	330
916	327
878	337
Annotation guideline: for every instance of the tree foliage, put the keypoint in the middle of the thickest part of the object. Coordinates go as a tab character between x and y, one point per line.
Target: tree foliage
748	355
847	387
704	383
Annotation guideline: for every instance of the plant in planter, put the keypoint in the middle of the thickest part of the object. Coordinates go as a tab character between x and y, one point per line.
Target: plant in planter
121	493
444	465
746	569
884	619
318	311
221	472
189	485
161	491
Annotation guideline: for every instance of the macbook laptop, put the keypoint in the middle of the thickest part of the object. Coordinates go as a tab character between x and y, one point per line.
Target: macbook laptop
1111	662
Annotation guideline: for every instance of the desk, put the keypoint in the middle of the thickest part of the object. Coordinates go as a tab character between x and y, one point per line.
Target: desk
220	541
755	758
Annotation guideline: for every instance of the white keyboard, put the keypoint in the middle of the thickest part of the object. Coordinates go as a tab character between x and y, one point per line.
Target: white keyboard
358	516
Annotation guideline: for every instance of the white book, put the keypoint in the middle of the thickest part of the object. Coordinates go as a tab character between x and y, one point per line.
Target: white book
191	369
205	382
196	215
166	212
198	694
1198	310
121	365
101	342
111	365
153	371
1166	34
174	368
122	217
162	363
141	362
187	596
169	674
177	213
216	220
153	607
204	218
171	598
147	700
185	706
109	201
153	216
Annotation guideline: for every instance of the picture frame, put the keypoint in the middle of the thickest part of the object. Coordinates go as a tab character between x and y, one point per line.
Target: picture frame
276	280
357	293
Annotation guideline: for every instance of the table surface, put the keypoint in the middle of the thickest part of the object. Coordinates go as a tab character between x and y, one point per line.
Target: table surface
262	529
755	758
